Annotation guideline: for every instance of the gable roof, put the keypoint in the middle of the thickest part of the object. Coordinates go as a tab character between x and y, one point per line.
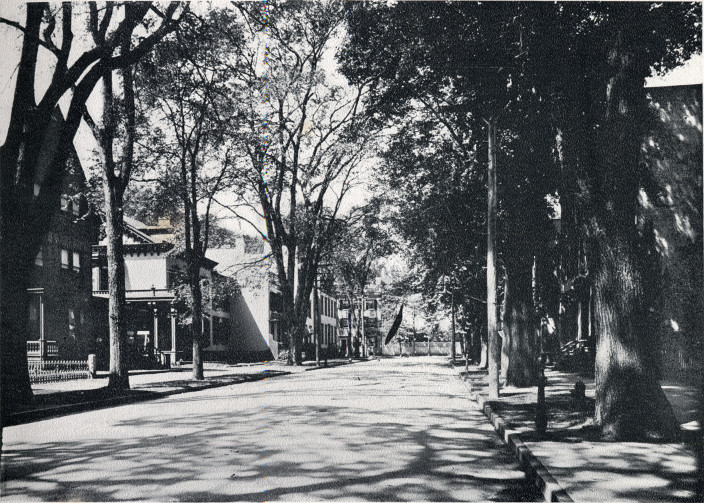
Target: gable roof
134	229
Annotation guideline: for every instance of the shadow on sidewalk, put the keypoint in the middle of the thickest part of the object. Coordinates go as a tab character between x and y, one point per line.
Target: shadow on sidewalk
58	403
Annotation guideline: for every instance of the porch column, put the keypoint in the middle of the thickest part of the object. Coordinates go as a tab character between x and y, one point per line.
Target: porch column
42	337
156	329
173	336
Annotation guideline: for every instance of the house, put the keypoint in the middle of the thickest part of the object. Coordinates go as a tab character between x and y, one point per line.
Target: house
673	155
157	326
328	325
350	325
59	322
257	312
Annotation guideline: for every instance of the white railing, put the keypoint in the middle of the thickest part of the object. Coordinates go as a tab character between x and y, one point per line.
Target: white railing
42	349
57	370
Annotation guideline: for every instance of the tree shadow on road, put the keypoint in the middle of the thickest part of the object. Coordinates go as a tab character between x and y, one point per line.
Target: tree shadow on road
279	451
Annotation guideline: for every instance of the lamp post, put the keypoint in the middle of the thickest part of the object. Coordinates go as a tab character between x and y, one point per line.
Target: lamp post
361	319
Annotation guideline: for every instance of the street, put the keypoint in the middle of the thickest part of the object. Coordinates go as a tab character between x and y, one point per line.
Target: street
388	430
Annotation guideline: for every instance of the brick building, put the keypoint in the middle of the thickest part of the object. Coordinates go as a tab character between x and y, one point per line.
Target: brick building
59	321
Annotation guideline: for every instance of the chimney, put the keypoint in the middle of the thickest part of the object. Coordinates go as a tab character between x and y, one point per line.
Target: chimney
164	222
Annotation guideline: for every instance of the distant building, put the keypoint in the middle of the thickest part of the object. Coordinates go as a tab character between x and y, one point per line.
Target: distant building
257	313
350	323
328	325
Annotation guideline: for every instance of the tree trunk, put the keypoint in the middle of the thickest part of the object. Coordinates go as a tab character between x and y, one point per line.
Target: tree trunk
19	240
629	401
15	271
483	351
494	344
119	370
505	336
197	321
520	325
297	334
453	350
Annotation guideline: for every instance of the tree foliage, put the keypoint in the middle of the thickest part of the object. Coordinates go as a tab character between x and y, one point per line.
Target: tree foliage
305	160
33	157
566	83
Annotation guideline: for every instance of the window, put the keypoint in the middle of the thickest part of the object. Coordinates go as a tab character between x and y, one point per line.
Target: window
64	259
76	206
276	302
39	259
64	202
206	329
71	323
221	330
103	278
76	262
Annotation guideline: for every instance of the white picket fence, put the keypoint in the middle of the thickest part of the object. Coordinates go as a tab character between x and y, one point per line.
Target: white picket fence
57	370
440	348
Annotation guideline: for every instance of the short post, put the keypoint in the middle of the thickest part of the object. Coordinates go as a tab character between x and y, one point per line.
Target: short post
91	366
541	415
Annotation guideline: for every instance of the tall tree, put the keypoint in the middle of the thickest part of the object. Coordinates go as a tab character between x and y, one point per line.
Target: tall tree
118	110
187	99
459	75
623	262
36	144
356	251
305	160
590	83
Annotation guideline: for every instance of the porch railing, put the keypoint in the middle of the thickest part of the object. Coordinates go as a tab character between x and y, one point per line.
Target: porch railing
42	349
57	370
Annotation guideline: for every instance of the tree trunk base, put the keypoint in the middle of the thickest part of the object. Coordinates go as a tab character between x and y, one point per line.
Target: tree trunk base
117	383
651	422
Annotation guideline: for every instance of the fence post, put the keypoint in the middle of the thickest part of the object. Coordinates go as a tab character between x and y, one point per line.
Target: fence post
91	365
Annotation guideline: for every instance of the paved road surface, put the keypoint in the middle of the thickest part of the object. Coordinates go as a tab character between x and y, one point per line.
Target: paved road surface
389	430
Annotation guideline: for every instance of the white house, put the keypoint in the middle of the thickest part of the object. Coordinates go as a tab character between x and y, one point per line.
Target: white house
153	325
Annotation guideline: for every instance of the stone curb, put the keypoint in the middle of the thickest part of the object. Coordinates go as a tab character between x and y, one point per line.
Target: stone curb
549	487
333	365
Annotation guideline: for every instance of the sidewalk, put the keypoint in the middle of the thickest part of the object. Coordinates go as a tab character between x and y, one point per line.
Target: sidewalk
67	397
570	462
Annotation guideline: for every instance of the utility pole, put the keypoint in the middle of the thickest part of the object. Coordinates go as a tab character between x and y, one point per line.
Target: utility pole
364	337
494	350
316	321
349	330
